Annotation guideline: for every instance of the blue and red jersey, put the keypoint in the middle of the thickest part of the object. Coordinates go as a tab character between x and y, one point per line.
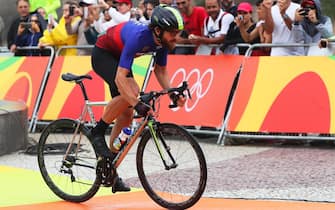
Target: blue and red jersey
128	40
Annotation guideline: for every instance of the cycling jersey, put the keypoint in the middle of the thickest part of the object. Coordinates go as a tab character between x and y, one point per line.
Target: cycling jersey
128	40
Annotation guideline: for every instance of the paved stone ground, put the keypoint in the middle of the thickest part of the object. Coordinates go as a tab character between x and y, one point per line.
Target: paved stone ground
252	171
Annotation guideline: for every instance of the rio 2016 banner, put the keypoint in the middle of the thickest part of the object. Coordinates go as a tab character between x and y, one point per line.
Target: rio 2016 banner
65	100
21	78
285	94
210	79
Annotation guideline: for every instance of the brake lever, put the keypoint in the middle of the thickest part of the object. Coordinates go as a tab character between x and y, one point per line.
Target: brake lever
146	97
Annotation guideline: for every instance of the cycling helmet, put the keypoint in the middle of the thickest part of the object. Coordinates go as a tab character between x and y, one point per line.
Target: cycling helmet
167	18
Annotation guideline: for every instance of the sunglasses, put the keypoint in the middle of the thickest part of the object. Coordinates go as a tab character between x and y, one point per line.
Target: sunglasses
309	7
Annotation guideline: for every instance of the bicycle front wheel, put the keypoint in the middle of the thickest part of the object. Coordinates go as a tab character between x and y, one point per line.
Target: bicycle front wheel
67	160
172	170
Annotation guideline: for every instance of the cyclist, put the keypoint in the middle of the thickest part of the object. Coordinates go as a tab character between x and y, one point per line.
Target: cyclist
112	58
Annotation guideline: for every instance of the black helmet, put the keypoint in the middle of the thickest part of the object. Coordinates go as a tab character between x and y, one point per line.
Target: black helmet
167	18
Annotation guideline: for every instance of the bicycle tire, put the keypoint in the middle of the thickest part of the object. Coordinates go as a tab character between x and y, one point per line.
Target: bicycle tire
174	188
53	143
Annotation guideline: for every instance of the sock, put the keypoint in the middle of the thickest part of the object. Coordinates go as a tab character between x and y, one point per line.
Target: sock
100	128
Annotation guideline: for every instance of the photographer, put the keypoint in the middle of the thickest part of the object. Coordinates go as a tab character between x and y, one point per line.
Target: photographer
22	8
58	36
243	23
28	34
310	26
78	22
119	12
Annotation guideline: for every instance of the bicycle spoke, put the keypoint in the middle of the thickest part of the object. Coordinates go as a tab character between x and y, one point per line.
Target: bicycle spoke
177	187
67	161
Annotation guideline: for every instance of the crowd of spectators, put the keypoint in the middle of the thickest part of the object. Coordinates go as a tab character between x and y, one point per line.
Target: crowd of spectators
218	27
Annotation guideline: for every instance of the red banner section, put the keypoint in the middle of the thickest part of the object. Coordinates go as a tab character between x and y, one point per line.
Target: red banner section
21	78
285	94
210	79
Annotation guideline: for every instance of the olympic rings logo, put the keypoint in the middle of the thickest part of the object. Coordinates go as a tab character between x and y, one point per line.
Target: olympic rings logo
198	89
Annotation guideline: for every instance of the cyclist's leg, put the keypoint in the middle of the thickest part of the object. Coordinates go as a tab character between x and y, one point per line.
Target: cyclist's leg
119	110
125	117
101	59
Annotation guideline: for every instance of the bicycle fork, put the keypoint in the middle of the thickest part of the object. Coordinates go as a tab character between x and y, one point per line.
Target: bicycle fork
159	142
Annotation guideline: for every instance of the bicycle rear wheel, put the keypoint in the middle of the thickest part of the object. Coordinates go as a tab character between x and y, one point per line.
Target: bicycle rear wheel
181	185
67	160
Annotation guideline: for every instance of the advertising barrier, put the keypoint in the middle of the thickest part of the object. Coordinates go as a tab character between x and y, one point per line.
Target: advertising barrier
21	79
285	95
210	79
277	96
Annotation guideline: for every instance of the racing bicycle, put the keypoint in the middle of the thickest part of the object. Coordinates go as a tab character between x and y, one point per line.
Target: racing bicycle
170	163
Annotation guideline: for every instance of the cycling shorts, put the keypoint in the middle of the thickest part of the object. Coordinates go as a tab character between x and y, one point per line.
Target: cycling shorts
105	65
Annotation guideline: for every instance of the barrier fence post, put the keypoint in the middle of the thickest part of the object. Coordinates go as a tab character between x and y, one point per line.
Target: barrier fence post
42	87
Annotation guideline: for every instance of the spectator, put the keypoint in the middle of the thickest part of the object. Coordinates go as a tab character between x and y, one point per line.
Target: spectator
140	5
79	26
215	28
310	26
118	15
145	15
106	15
106	4
32	35
278	22
58	36
50	7
194	17
149	6
229	6
167	2
22	7
243	22
260	31
42	12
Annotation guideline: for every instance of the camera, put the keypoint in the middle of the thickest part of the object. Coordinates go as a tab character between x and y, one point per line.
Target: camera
240	17
26	25
323	43
304	11
71	10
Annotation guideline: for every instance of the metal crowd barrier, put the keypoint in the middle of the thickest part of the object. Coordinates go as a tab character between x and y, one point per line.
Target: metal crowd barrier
43	84
224	134
60	49
5	52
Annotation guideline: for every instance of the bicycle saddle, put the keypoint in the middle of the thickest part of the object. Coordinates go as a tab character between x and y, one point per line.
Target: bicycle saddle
71	77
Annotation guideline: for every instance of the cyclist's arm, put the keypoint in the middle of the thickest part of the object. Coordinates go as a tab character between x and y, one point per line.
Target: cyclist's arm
127	89
164	80
162	76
